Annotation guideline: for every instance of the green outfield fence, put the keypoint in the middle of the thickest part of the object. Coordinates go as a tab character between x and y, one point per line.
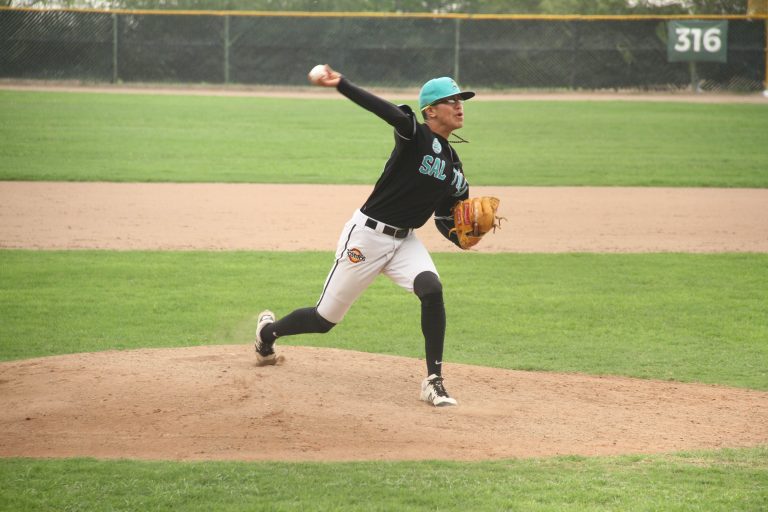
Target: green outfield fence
395	50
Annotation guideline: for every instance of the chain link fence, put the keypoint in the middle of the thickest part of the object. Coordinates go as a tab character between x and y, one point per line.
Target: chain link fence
569	53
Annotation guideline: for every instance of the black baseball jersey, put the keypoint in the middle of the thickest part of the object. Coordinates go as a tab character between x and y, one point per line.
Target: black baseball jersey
423	175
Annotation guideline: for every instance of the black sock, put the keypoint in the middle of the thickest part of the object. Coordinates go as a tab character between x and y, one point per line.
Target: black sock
300	321
433	328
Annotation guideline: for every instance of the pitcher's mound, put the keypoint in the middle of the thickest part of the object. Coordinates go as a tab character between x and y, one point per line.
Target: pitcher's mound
325	404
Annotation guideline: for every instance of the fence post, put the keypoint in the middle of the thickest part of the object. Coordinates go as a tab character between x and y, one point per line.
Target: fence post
115	74
694	77
574	54
456	48
226	49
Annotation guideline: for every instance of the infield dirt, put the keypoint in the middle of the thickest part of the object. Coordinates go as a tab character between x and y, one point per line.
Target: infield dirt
164	216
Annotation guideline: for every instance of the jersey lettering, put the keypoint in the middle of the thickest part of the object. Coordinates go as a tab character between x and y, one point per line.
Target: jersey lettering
459	183
432	166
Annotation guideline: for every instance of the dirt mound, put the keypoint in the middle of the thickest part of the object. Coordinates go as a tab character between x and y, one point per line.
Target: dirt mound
327	404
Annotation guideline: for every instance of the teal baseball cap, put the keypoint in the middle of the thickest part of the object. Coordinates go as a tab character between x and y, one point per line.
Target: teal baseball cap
439	88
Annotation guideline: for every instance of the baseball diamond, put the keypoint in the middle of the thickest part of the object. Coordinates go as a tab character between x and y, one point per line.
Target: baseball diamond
503	257
212	402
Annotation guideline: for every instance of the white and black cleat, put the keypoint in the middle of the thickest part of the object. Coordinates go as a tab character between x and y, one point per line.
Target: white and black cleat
433	391
265	352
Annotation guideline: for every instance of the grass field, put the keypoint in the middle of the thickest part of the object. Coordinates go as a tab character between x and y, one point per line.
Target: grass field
694	318
110	137
727	480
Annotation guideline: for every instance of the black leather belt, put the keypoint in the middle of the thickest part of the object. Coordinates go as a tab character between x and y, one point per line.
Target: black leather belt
387	230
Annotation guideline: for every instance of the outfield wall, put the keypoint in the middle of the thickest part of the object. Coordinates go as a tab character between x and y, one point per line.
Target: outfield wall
509	52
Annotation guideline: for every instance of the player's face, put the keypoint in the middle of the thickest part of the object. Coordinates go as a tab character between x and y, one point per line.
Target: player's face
450	111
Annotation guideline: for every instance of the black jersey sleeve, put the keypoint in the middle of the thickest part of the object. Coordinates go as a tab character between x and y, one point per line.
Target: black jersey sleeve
402	120
444	220
443	215
444	226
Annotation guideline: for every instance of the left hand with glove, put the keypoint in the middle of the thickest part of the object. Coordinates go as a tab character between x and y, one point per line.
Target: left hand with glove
473	218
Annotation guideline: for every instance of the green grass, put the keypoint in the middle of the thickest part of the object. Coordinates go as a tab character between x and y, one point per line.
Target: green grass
113	137
617	143
665	316
726	480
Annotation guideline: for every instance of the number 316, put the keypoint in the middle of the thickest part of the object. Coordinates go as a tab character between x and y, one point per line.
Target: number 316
688	38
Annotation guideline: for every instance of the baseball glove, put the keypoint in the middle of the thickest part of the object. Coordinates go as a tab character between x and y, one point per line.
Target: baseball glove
473	218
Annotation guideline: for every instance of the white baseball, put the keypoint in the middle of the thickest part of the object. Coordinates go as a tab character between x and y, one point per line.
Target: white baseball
317	73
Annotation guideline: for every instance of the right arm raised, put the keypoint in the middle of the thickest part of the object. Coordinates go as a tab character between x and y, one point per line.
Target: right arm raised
402	121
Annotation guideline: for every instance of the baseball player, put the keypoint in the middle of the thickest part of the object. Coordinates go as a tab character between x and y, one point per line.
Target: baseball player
423	177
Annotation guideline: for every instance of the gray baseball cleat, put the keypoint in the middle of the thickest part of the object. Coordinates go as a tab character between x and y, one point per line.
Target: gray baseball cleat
433	391
265	352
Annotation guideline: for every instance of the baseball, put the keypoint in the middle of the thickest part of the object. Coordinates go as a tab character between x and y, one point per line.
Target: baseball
316	73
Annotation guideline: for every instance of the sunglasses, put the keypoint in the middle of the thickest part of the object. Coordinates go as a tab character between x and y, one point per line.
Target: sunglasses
450	101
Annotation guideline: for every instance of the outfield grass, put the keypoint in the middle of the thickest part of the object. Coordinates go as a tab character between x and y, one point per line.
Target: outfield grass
112	137
674	316
726	480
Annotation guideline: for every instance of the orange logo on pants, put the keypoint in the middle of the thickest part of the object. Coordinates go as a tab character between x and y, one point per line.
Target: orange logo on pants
355	256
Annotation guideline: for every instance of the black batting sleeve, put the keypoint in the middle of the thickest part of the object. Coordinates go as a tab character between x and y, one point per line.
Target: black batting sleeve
402	122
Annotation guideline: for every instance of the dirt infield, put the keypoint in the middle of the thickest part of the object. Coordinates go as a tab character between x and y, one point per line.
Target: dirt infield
324	404
300	217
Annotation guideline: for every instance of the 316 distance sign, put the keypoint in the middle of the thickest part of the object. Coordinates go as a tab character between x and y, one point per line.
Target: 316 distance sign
697	40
